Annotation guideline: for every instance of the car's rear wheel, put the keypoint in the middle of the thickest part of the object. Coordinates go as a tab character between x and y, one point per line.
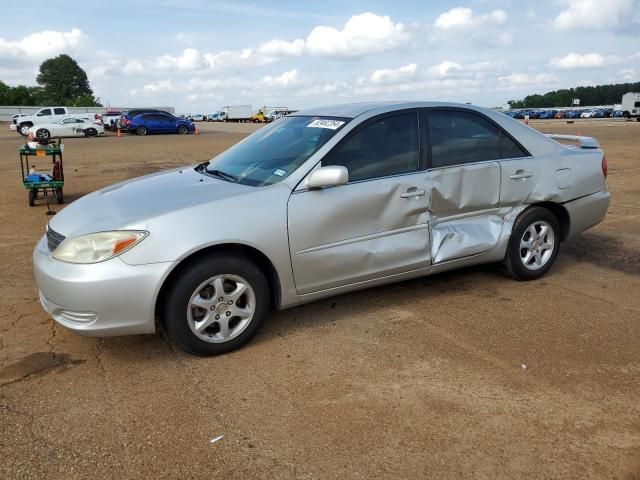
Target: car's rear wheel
141	130
534	244
43	133
182	129
90	132
216	305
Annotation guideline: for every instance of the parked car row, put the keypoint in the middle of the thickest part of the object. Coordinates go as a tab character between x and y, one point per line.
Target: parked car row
559	114
60	122
240	113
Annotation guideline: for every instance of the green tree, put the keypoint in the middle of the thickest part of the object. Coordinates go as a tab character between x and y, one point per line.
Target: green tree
64	82
20	95
4	93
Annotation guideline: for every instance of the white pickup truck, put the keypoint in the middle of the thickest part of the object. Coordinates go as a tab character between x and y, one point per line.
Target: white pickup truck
47	115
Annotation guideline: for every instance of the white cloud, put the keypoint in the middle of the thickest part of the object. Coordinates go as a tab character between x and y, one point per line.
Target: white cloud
461	17
133	67
162	86
599	14
627	74
281	48
287	79
576	60
362	34
43	44
185	38
443	69
189	59
527	80
390	75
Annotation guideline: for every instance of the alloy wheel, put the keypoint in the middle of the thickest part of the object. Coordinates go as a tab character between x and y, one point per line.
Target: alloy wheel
221	308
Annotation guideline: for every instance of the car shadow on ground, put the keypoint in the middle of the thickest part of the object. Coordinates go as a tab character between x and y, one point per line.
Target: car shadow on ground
602	250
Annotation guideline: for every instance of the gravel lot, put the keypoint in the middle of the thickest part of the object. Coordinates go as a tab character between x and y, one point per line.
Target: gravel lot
462	375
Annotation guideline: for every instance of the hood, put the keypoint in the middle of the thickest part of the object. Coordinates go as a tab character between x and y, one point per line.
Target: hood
132	203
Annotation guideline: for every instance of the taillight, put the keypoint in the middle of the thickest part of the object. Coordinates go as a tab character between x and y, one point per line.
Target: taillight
605	166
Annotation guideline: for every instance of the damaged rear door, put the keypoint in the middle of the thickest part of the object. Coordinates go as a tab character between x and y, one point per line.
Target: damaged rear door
464	175
374	226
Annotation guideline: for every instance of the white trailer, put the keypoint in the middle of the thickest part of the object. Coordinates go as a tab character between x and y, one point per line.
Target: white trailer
631	105
235	113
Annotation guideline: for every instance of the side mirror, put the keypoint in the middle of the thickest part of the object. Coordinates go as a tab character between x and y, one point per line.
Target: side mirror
330	176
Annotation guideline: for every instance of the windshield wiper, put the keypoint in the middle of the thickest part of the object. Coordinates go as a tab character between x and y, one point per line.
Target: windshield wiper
224	175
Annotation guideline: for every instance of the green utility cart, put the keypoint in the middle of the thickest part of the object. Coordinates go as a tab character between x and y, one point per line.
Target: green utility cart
49	183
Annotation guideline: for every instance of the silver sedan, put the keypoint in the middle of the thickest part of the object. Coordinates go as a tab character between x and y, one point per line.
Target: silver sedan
316	204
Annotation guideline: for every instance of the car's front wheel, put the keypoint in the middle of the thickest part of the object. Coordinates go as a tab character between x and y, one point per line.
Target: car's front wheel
24	129
534	244
216	304
182	129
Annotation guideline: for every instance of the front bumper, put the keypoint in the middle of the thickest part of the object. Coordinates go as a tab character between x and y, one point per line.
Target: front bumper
100	299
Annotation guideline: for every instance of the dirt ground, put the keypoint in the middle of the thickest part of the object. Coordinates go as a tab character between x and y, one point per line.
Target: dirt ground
461	375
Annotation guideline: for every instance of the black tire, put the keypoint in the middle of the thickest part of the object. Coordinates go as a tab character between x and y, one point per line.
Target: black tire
59	196
626	115
90	132
23	129
193	274
513	264
32	197
141	130
182	130
43	133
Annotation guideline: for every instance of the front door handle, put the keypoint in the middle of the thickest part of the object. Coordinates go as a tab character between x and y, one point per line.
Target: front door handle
520	174
413	193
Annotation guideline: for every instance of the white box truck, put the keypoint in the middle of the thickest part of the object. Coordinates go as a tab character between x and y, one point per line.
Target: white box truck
631	105
235	113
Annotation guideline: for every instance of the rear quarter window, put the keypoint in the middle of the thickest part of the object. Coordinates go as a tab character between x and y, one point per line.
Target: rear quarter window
510	149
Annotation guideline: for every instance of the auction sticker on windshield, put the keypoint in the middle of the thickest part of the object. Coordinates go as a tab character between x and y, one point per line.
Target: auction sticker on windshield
330	124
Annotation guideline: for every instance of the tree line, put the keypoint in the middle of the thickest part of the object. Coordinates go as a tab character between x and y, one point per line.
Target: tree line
596	95
61	81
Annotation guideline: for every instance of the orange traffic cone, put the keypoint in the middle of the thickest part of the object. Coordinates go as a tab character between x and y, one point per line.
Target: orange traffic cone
118	134
197	131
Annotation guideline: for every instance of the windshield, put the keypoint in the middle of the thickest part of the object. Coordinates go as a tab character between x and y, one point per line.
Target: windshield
274	152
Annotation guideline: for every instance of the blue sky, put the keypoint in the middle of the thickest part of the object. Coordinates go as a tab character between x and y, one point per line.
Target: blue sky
198	55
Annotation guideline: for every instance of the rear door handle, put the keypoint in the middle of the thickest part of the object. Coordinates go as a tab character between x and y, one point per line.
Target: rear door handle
413	193
520	174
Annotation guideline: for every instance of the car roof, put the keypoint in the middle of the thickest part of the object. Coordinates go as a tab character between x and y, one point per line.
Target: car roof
353	110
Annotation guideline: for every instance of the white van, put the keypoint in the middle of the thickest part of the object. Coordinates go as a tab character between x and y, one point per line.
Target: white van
631	105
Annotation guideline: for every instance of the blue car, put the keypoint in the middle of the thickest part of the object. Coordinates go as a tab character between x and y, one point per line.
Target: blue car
573	114
548	114
156	122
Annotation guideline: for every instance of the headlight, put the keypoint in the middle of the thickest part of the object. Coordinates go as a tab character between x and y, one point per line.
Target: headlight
97	247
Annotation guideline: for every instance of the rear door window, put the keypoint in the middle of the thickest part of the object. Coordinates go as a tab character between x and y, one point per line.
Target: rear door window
459	137
59	111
